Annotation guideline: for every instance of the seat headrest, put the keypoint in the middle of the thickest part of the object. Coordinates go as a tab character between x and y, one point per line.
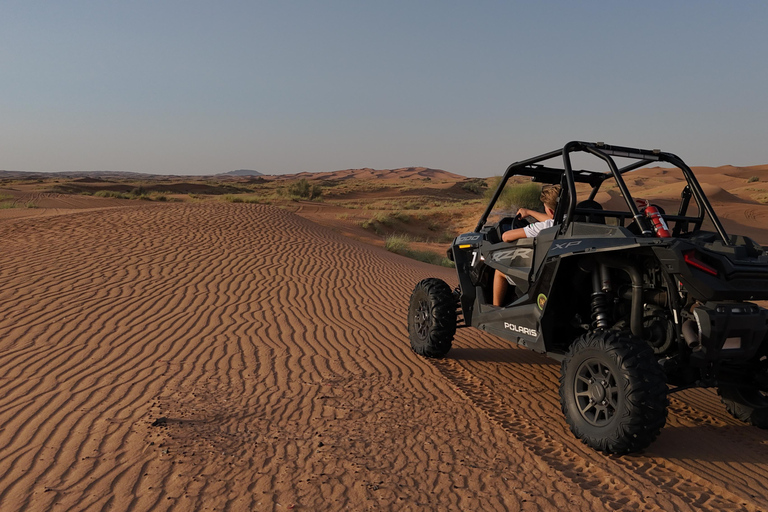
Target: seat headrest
589	204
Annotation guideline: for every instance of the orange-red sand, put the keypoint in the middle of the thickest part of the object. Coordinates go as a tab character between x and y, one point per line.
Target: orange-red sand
220	356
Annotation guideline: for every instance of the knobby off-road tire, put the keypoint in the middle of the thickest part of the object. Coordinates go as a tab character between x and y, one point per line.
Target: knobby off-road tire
432	318
745	403
613	393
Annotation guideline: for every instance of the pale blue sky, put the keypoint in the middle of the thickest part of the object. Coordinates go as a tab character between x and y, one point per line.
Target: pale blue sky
202	87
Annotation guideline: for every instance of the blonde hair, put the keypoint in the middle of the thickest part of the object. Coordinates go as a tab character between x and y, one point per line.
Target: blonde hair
549	195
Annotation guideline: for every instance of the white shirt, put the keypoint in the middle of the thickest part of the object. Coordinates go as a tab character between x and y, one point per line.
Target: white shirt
534	229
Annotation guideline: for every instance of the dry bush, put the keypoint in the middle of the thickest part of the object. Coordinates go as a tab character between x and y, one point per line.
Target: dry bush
305	190
401	244
514	196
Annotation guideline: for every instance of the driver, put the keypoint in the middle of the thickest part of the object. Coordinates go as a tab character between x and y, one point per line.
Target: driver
549	195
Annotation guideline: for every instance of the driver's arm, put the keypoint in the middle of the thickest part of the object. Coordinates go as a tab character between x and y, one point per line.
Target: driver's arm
540	217
513	234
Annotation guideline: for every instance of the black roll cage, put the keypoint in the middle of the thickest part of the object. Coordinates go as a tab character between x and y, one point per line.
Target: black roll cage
567	178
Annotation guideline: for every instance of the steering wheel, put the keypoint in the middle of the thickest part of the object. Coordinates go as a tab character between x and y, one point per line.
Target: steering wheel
519	222
508	223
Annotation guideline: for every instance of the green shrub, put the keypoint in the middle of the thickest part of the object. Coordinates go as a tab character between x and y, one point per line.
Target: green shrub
305	190
400	217
239	198
476	186
111	193
370	224
400	244
377	220
514	196
6	202
136	193
753	179
385	219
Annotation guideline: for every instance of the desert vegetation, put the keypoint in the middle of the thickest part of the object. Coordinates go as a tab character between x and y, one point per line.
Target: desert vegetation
303	189
7	202
476	186
515	195
402	245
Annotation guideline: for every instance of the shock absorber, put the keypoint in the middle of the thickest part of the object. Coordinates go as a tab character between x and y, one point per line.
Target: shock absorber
601	285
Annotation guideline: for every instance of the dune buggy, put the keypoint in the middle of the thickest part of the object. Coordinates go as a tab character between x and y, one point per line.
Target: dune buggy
635	298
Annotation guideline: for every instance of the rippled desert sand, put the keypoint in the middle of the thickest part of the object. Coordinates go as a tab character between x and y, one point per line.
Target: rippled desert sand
239	357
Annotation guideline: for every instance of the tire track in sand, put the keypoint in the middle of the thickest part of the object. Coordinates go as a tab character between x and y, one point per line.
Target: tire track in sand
518	390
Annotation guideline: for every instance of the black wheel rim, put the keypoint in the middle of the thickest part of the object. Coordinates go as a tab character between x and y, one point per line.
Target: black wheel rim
596	392
421	320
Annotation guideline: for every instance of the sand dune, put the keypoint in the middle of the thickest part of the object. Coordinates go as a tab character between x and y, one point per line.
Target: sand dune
402	173
239	357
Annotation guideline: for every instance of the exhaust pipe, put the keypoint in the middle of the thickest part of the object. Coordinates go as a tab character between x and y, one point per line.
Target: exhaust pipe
691	334
636	317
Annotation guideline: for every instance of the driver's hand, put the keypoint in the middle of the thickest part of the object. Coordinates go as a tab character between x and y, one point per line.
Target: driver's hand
523	212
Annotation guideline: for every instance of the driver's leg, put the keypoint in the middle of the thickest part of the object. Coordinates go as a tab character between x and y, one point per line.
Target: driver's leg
500	285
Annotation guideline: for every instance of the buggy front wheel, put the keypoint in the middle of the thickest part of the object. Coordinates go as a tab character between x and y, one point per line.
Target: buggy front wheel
432	318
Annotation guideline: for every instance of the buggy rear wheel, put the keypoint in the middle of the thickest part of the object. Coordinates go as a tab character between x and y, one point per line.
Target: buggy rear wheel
432	318
613	393
745	403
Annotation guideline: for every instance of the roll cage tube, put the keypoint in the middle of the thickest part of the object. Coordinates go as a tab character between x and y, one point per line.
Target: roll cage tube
630	167
615	172
507	174
604	152
700	198
656	155
639	218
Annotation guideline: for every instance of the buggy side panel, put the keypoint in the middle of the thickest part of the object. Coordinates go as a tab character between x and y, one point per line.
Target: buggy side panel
514	259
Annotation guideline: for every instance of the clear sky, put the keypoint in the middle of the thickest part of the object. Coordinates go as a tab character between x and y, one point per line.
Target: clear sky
202	87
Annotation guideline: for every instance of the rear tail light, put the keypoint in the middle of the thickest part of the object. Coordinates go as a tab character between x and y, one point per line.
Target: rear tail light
691	259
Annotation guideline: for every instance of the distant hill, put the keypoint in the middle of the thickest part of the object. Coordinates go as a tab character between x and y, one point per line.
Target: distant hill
242	172
93	175
368	173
